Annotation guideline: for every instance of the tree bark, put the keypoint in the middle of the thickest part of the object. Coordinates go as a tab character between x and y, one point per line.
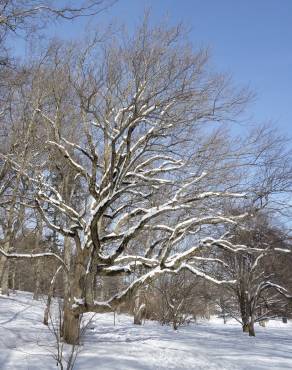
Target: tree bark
244	312
36	292
38	267
74	290
71	326
251	330
4	271
89	287
138	309
13	276
245	327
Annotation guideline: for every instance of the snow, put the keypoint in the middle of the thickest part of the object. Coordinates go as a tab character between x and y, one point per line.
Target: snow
25	343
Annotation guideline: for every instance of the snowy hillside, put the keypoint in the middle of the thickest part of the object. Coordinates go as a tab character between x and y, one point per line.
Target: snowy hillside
25	343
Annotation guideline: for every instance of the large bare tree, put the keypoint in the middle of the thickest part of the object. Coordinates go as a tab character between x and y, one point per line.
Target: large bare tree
141	123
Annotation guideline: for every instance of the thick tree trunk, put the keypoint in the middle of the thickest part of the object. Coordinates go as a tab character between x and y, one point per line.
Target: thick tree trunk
74	289
47	311
245	327
137	320
139	309
244	313
89	287
251	330
137	315
71	326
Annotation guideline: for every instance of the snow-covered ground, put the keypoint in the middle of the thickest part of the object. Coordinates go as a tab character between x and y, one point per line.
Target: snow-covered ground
25	343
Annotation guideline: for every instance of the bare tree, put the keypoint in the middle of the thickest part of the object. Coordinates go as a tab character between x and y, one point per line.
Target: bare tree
17	16
173	299
256	290
147	159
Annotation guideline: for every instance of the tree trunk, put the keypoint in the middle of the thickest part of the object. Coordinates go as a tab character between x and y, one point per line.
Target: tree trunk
244	313
207	314
47	311
74	290
251	330
4	271
223	311
36	292
71	327
139	309
89	287
245	327
49	299
12	277
4	268
137	320
38	267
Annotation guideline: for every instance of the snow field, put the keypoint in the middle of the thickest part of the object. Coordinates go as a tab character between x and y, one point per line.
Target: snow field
25	343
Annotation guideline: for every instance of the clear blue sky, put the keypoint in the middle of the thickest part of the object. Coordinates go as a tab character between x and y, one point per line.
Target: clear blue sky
250	39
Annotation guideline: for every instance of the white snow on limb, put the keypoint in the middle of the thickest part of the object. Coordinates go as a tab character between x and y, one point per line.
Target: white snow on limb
188	184
209	259
121	111
112	303
166	167
177	258
160	227
228	245
38	181
32	256
282	250
56	274
279	288
157	158
117	268
63	207
233	247
129	258
66	154
205	221
206	276
143	177
65	232
227	194
78	300
256	262
102	304
128	215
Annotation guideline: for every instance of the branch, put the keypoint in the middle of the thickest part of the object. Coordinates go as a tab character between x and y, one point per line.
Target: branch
33	256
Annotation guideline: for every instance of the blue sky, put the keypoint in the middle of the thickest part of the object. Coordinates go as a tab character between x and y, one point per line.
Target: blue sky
250	39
